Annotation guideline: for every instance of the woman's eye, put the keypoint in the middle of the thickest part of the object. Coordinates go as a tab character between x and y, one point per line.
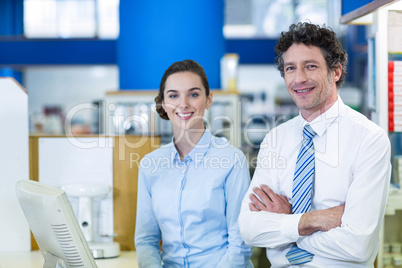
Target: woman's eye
194	95
172	96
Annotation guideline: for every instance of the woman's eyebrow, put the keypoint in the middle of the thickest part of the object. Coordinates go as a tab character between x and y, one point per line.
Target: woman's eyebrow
191	89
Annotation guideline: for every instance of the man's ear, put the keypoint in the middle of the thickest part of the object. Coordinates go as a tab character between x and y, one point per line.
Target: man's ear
337	73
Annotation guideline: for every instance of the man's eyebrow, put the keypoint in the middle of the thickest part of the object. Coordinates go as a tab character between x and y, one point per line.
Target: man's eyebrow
304	62
310	61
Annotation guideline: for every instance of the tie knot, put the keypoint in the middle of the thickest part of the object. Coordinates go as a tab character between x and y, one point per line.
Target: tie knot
308	132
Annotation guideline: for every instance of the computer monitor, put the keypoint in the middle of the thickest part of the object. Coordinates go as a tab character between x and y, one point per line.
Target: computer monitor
54	226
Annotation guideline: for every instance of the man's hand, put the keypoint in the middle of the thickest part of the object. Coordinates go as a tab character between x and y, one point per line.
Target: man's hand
321	220
271	202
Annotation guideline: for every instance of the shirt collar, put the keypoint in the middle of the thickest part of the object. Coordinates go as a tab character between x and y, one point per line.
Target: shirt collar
323	121
198	151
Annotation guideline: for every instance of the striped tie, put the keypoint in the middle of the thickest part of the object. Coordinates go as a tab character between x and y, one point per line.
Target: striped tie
302	187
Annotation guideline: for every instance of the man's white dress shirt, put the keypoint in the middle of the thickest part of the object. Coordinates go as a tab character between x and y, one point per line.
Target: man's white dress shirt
352	167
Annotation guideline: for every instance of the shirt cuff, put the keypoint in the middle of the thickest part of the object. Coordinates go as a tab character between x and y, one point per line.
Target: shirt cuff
290	227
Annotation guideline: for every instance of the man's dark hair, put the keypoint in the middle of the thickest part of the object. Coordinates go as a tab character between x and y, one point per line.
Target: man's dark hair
313	35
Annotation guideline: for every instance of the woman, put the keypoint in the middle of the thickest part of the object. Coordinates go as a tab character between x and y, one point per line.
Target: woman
190	190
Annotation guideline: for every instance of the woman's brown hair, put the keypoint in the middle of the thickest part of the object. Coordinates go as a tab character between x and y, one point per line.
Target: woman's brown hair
179	66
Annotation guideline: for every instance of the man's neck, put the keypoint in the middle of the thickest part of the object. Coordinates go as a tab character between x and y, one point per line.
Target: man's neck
310	115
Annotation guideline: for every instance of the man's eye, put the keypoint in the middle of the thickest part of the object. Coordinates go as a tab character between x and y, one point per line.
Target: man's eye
290	68
311	67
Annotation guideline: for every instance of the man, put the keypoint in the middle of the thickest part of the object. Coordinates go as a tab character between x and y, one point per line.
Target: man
323	204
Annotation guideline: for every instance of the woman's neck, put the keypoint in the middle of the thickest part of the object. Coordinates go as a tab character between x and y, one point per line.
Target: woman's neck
185	141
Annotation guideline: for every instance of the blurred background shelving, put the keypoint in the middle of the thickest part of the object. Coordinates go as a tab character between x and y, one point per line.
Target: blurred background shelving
89	69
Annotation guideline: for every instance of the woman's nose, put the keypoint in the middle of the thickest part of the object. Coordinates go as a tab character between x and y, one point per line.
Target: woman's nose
183	103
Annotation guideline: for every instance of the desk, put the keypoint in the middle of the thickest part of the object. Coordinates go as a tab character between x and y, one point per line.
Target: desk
34	259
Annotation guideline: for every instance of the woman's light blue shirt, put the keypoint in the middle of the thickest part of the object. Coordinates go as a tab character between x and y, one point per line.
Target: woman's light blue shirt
192	206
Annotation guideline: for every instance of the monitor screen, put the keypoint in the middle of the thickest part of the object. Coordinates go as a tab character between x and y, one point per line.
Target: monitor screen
54	226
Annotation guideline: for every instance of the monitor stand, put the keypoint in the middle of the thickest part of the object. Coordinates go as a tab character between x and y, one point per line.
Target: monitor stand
52	261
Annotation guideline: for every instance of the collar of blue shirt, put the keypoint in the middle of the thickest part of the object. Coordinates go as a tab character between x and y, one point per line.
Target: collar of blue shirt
200	148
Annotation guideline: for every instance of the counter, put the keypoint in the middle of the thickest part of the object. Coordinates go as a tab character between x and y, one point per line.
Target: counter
34	259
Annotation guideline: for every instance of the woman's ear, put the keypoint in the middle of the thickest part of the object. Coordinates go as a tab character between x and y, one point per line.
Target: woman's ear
209	100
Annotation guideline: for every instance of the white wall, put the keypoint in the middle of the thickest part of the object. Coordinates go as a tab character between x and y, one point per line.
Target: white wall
14	165
259	77
67	86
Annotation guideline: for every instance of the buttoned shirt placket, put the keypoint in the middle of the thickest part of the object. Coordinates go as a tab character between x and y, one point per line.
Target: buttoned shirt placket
184	166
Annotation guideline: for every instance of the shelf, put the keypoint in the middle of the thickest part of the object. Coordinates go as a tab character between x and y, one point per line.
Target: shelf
155	92
356	16
136	109
394	201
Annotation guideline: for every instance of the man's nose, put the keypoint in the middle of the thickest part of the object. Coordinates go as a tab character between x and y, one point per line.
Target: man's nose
301	75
